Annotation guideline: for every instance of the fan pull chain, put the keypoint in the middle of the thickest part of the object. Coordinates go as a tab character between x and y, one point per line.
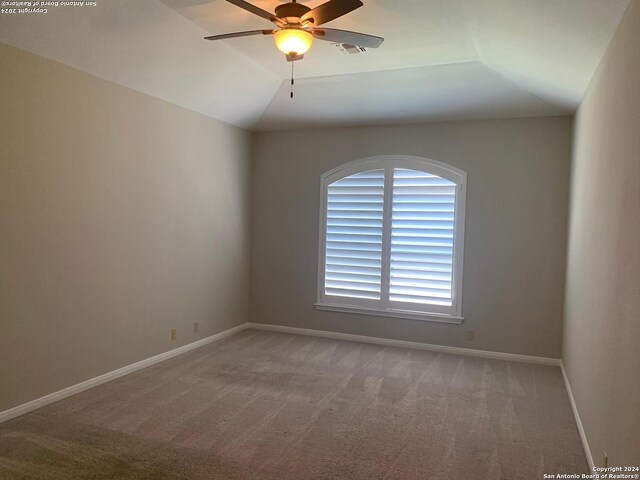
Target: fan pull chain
292	81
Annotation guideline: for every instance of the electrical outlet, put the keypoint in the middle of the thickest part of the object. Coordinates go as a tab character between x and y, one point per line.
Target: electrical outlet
196	326
471	335
174	334
605	460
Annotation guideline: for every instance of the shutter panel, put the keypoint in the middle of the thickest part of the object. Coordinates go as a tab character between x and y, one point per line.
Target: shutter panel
353	265
422	236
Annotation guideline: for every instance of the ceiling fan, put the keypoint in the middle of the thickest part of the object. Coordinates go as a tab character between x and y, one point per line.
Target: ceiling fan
298	26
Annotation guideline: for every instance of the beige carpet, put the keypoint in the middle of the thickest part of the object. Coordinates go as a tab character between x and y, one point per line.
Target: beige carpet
262	405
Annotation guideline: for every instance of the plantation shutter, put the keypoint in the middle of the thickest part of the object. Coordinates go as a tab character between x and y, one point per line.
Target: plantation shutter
422	238
353	261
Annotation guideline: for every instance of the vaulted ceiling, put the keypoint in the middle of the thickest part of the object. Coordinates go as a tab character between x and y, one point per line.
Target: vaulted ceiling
441	60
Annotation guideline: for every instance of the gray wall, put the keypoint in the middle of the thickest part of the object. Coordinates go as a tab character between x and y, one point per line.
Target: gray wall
121	217
515	228
602	318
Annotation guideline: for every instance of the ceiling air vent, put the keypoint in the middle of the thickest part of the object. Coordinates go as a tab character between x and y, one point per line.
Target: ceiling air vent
348	49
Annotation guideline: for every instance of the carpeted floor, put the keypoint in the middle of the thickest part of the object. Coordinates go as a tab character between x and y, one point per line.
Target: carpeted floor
263	405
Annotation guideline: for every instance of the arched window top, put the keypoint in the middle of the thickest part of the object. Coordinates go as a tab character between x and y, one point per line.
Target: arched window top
443	170
392	235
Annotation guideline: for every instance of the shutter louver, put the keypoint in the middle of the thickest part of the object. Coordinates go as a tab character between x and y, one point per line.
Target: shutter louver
422	236
353	262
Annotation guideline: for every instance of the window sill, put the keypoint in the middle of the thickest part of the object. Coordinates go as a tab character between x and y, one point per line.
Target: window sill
404	314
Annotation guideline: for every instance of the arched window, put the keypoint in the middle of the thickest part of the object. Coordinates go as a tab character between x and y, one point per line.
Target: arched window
392	238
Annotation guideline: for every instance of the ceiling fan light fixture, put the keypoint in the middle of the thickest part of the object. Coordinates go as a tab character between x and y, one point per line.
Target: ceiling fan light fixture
293	41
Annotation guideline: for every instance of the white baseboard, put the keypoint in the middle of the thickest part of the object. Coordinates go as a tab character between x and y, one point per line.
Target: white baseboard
107	377
417	345
583	435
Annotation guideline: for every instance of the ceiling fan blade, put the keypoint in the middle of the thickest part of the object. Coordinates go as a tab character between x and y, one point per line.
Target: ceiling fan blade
240	34
257	11
330	11
344	36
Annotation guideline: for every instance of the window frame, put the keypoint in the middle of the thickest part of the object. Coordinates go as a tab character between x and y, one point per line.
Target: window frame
385	307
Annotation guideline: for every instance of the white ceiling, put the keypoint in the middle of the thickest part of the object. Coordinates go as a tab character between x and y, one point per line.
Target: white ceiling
441	60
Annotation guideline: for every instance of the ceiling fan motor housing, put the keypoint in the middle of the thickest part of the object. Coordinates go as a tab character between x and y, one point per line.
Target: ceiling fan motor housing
291	12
